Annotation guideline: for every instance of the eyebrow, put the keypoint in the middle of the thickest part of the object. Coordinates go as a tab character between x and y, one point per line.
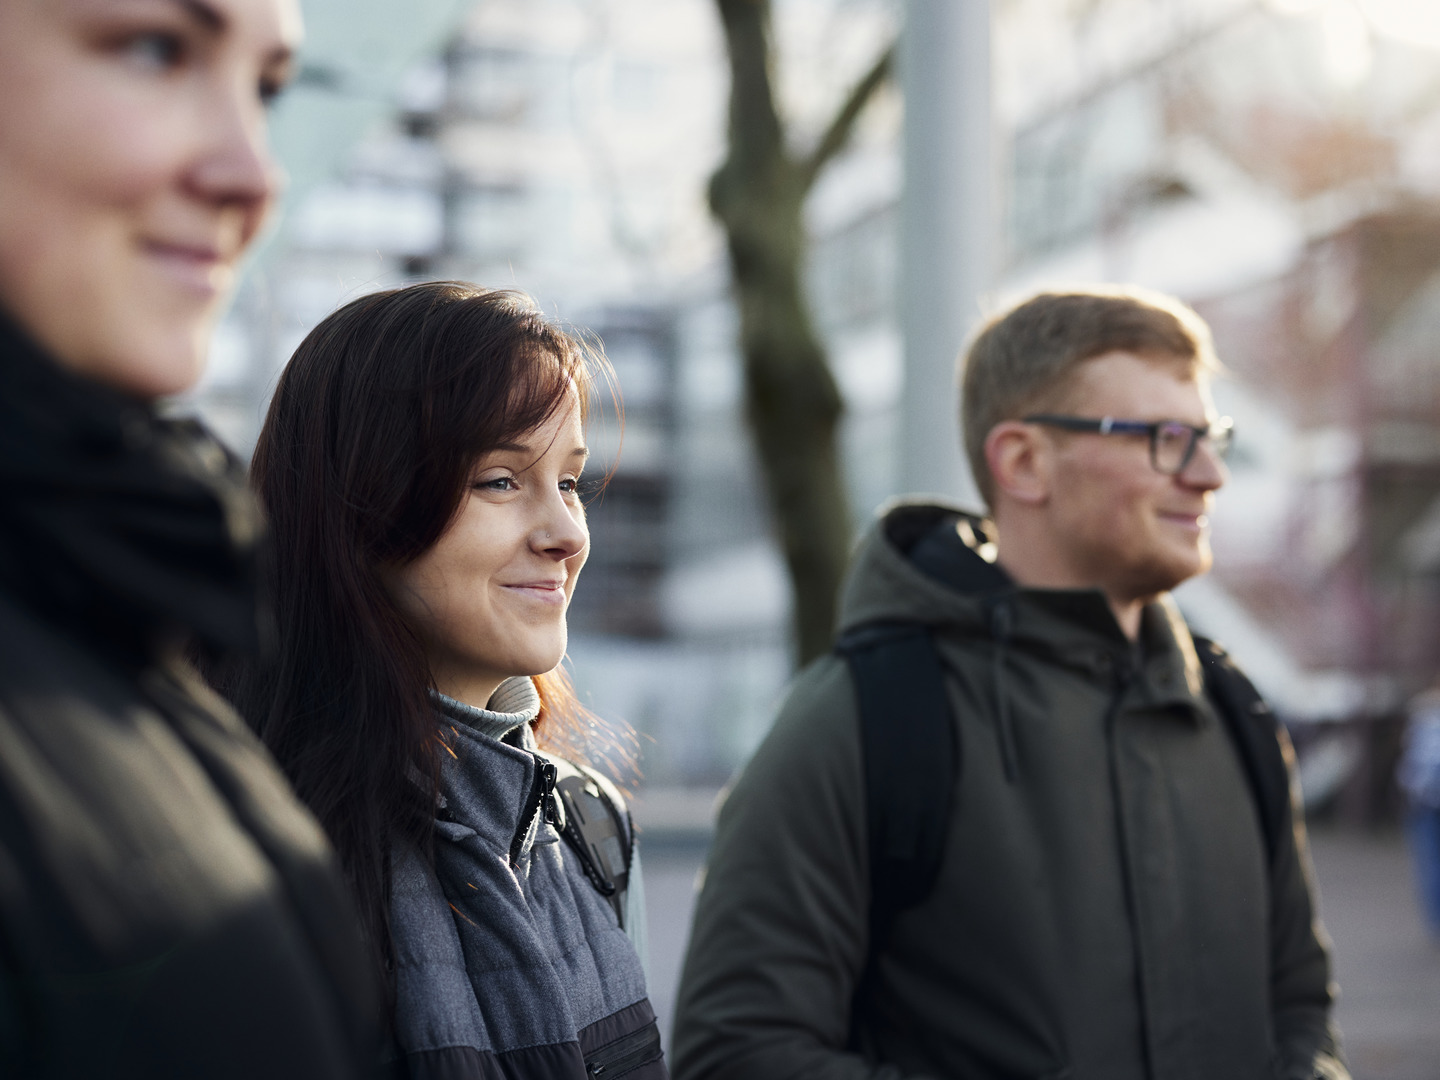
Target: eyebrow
526	448
216	22
204	14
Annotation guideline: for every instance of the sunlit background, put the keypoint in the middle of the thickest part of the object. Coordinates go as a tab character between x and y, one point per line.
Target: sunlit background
1274	162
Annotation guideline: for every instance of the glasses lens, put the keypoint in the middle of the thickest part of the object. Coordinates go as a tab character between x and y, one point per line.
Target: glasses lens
1172	446
1221	438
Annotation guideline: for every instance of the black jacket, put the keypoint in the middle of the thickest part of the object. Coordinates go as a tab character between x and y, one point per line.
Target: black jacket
167	907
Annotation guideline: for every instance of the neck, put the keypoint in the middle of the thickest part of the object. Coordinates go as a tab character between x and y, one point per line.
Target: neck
1028	552
460	677
475	692
1127	614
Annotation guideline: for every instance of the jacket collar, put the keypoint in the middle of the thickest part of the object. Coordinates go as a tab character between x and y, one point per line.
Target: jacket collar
934	564
124	528
514	702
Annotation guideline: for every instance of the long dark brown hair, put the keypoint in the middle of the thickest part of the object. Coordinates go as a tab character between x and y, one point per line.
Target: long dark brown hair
361	465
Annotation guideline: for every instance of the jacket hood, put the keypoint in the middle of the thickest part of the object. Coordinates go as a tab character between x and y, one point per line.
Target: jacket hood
122	527
934	563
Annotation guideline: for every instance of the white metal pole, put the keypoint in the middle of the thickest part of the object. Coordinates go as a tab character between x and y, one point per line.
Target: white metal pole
947	228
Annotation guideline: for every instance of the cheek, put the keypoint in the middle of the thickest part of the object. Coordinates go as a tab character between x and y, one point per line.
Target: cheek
1087	495
579	560
409	590
92	141
473	556
1108	504
77	172
576	563
94	160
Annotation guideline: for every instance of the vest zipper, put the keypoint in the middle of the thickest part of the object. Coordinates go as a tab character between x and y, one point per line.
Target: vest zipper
540	802
626	1053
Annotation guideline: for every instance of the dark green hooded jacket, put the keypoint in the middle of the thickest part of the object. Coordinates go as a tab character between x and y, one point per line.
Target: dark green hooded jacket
1106	909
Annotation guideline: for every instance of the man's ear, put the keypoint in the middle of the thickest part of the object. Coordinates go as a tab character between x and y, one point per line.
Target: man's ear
1019	460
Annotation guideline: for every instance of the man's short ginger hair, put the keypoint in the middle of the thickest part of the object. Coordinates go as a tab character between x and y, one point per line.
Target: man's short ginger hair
1024	359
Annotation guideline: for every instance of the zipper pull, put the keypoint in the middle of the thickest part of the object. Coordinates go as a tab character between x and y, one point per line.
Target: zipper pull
548	809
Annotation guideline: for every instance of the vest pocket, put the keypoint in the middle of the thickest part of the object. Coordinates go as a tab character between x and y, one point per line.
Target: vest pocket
625	1054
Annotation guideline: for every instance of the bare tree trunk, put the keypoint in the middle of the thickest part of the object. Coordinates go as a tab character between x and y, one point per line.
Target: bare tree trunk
792	400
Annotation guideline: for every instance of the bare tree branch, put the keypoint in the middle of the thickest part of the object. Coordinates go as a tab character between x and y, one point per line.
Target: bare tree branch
838	133
791	398
753	116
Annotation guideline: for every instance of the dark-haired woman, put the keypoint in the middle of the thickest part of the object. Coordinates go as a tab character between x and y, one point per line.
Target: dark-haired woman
168	908
420	467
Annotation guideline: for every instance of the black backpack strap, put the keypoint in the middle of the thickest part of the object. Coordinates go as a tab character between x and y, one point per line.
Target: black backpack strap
1259	738
597	826
911	751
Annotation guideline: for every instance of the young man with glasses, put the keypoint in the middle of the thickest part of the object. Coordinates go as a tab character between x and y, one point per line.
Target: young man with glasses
1111	893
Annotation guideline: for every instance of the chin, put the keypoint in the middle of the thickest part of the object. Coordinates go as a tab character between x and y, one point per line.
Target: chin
1181	569
544	661
1201	559
156	365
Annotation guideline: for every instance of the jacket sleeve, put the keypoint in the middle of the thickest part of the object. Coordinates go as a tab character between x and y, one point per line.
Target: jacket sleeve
1301	991
781	925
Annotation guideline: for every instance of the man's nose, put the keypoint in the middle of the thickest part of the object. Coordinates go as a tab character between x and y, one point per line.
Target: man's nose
1205	470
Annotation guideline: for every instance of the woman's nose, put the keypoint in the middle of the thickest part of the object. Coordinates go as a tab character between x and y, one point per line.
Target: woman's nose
562	532
235	164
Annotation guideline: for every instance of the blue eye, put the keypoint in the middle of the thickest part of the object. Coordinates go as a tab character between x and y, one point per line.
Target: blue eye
499	483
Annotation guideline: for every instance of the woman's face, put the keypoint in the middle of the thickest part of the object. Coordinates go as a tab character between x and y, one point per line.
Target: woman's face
134	173
489	598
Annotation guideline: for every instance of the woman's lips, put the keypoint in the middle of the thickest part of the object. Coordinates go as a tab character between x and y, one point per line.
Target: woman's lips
197	268
543	592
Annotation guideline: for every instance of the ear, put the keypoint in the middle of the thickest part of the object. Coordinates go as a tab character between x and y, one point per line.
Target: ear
1019	458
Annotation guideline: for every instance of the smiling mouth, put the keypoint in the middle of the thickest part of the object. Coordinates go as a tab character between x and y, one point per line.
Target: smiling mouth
543	591
199	268
1195	521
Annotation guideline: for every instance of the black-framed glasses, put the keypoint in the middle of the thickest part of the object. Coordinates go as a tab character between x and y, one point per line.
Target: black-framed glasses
1172	444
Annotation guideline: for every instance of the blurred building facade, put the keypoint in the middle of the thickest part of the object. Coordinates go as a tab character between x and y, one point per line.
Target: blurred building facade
1275	163
1278	171
561	147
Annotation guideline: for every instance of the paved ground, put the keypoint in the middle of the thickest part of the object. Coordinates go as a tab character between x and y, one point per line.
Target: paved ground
670	872
1387	965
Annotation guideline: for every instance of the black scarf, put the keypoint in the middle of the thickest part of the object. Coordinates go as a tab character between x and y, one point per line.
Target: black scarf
125	529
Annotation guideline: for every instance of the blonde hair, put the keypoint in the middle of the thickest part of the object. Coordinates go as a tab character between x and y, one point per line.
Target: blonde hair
1023	359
